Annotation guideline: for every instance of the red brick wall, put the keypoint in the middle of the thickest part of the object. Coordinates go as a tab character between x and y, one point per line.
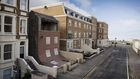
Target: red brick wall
42	47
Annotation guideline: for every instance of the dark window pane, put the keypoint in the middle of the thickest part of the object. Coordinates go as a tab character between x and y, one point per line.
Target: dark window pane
7	48
0	23
22	50
22	43
7	55
8	20
7	28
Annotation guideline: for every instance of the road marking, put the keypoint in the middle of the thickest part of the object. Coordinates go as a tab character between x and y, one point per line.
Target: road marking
127	66
90	73
94	68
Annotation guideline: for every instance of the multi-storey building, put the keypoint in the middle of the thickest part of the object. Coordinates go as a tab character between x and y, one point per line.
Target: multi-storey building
13	34
76	29
102	34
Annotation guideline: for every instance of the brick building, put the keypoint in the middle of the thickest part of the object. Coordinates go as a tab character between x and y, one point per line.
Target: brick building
76	29
102	34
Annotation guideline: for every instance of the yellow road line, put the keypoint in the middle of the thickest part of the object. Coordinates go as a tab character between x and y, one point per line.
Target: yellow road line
90	73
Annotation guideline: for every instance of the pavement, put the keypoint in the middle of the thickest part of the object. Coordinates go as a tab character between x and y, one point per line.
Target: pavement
83	69
134	61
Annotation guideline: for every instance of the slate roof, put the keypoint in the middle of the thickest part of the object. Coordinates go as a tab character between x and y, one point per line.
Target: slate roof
46	17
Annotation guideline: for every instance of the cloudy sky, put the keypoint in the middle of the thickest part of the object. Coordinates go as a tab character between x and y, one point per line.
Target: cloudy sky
122	16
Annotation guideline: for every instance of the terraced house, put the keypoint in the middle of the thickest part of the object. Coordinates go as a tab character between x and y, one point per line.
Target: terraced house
102	34
76	29
13	34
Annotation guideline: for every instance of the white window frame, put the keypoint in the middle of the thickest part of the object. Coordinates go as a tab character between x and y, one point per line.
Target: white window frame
24	27
8	52
55	40
84	26
11	2
87	34
9	25
69	22
79	34
75	23
26	5
23	47
6	74
13	29
56	51
0	23
79	24
48	54
0	51
75	34
84	34
100	25
47	40
87	26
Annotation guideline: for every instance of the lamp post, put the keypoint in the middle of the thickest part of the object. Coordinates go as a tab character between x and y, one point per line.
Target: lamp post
115	42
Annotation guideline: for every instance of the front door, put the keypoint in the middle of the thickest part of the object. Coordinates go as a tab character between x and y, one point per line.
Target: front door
93	44
22	50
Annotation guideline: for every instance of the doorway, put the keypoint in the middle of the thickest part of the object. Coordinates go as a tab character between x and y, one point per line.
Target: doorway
22	49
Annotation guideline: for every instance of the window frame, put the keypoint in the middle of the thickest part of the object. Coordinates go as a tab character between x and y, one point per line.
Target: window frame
69	22
87	26
79	24
9	74
0	23
8	25
5	52
48	54
23	26
55	40
79	34
75	34
25	5
11	3
48	40
56	51
75	23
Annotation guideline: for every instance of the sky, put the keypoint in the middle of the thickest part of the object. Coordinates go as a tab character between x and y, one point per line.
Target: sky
122	16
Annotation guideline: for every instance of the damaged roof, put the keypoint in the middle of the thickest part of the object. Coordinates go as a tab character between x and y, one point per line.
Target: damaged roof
46	17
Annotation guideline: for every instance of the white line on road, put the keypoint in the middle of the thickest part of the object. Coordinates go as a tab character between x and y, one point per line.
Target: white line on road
127	65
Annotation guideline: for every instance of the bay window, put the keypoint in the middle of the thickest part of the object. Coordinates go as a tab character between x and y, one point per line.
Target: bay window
0	23
22	26
7	74
7	51
9	2
8	24
23	4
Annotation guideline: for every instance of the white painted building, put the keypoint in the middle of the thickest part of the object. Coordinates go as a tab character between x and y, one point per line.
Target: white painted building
13	34
136	46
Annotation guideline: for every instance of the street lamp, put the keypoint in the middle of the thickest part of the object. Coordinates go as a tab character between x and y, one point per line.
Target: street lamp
115	42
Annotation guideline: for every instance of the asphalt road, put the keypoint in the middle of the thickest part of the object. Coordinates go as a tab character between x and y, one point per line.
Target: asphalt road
113	67
113	63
